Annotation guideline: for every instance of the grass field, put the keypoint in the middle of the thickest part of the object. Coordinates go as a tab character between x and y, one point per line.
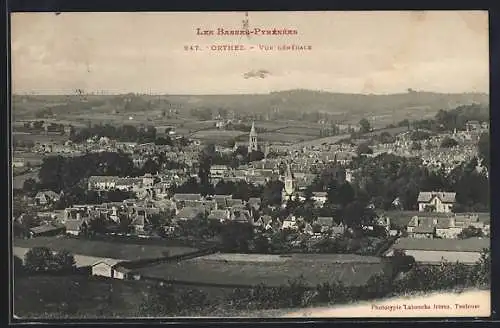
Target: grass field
214	134
105	249
18	181
315	270
283	137
303	131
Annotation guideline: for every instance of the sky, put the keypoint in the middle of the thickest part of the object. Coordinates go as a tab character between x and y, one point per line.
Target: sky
351	52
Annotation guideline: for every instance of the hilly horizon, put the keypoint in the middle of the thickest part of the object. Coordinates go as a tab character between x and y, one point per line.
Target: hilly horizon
344	106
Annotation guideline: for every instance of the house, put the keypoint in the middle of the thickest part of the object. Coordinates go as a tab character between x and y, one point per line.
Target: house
325	223
46	230
447	228
230	202
75	227
290	223
180	198
189	213
440	202
219	215
242	216
472	125
422	227
46	197
220	201
218	171
433	251
319	197
267	221
254	202
308	229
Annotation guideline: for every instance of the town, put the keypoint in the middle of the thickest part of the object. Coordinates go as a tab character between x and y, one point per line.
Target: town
420	192
208	165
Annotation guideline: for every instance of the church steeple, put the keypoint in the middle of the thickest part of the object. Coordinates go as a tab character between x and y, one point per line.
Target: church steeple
289	180
252	142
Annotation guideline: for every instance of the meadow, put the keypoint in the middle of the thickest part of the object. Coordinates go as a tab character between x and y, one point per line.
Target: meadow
100	248
227	272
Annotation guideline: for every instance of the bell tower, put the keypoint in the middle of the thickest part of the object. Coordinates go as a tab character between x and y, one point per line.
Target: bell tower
252	142
289	189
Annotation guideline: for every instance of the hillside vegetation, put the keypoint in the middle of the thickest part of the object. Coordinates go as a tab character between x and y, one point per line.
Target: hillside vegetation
293	104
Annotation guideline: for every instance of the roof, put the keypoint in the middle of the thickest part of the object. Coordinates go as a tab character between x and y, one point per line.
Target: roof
320	194
234	202
254	200
127	181
180	197
102	178
109	262
218	214
73	225
218	167
48	193
44	228
188	213
325	221
445	197
452	245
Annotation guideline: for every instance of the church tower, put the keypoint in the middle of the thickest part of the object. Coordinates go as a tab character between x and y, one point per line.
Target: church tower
289	189
252	142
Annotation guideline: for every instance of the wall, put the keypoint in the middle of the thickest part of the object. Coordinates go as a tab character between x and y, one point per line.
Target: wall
102	269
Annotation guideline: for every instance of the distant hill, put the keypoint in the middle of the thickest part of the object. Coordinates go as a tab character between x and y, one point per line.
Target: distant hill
346	106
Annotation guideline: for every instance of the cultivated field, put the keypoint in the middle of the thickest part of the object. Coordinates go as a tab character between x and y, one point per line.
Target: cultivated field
283	137
272	272
107	249
219	135
303	131
39	138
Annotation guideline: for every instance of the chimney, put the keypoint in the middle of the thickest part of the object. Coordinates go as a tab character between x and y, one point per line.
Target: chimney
452	222
78	216
434	221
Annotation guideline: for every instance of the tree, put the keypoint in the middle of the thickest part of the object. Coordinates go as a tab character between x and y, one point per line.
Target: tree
30	185
346	194
38	259
364	148
125	222
255	155
365	126
449	143
484	149
18	266
416	146
64	261
470	232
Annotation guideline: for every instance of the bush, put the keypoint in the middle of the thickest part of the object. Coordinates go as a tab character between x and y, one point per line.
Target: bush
42	259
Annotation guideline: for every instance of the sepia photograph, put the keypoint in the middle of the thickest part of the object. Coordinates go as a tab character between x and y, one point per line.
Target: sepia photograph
250	165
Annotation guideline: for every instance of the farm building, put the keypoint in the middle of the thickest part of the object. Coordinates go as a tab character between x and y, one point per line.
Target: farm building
433	251
112	269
